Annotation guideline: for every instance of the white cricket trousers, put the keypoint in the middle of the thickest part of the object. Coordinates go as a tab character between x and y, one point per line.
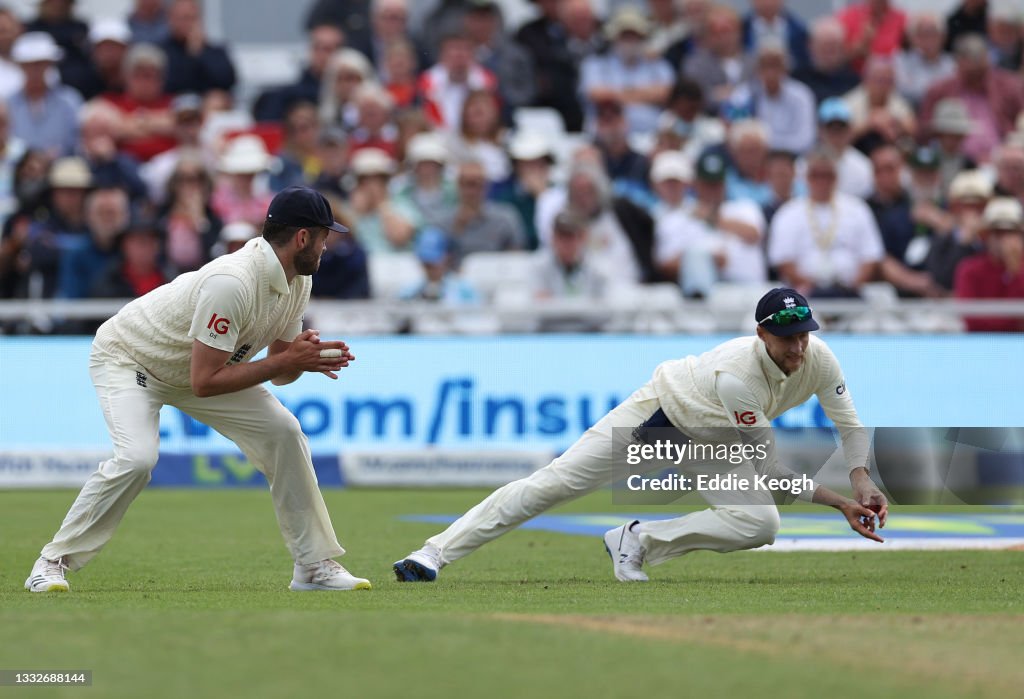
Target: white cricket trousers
268	435
737	520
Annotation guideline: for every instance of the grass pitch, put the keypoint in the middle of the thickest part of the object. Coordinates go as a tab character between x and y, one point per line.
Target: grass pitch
190	599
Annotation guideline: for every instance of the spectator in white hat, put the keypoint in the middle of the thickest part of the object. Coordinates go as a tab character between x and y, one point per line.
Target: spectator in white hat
531	175
1003	30
346	70
59	226
380	223
969	192
11	78
233	237
240	195
425	189
42	115
950	125
671	177
997	273
109	39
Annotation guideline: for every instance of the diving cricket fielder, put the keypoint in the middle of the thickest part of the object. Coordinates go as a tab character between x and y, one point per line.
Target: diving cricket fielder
740	386
188	344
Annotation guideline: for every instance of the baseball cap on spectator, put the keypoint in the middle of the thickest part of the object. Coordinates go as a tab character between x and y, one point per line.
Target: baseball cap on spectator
671	165
924	158
245	155
35	47
302	206
1003	214
628	19
970	184
372	161
70	173
782	299
110	29
426	148
529	145
711	167
834	109
237	232
951	116
432	245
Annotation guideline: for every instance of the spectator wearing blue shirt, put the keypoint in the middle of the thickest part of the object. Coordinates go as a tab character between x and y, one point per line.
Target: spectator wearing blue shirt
44	117
107	214
786	107
625	74
441	283
769	20
748	153
148	22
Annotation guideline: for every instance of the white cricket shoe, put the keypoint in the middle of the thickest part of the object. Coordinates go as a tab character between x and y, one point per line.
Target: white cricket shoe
328	575
623	545
419	566
48	576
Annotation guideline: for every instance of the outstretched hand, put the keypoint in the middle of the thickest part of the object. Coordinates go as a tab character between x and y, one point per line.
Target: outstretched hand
861	519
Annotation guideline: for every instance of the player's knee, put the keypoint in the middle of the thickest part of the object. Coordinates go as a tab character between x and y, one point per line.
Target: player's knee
756	525
139	460
284	428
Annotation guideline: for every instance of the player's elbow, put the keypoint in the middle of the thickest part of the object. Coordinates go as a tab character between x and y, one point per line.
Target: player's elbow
203	388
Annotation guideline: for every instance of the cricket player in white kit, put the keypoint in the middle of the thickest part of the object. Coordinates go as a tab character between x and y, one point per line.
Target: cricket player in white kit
736	388
188	344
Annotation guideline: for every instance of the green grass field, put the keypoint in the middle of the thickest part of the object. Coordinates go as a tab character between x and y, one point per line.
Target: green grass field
190	600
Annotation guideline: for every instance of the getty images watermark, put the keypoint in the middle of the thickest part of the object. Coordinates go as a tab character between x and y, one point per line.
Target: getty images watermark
726	473
658	464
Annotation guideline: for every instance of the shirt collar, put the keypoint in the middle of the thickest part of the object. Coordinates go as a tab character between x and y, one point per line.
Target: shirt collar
771	369
278	279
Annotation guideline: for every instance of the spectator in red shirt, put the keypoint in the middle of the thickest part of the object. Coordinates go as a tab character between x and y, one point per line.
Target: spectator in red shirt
996	273
873	28
375	126
445	85
146	128
137	270
993	97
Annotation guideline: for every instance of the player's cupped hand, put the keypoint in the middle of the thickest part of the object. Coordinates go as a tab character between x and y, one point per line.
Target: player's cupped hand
305	352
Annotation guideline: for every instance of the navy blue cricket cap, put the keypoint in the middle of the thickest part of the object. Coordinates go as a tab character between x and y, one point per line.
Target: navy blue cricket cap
302	206
779	300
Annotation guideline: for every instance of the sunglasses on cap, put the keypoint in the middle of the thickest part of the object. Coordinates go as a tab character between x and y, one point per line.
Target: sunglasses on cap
788	316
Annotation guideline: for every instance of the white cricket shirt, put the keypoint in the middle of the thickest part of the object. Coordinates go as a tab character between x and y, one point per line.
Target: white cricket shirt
239	303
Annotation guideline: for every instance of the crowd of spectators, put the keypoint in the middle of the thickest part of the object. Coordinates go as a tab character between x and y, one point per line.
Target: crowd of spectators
705	145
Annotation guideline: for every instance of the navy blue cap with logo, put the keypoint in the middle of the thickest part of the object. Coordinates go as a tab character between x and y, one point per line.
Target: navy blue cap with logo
784	312
302	206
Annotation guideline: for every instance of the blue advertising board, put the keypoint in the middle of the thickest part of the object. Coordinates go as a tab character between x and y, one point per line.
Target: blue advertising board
507	392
